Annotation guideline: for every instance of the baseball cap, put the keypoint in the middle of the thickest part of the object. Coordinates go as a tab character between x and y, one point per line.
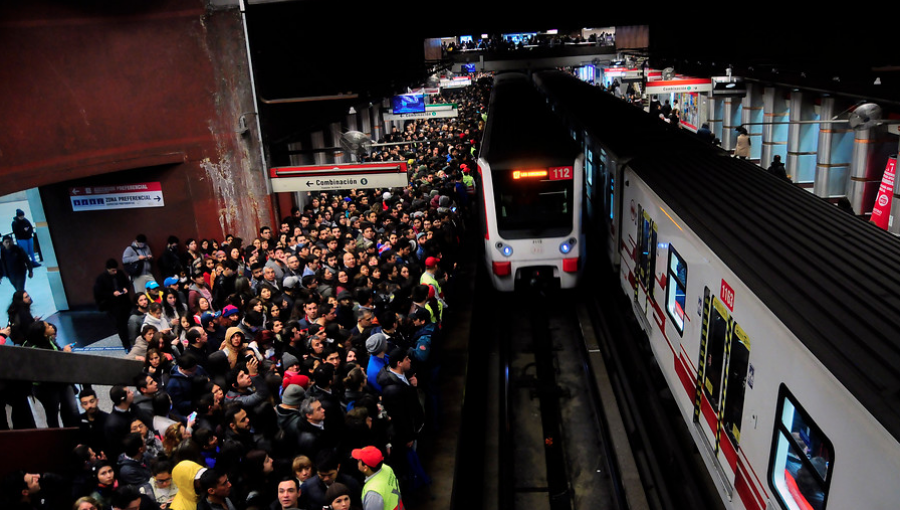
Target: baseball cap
431	261
170	281
370	456
151	285
208	317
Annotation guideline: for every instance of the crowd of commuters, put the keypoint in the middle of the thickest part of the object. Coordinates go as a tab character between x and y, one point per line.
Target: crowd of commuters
296	370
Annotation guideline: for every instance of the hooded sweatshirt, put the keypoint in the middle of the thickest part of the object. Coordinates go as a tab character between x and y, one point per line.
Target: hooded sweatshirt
183	475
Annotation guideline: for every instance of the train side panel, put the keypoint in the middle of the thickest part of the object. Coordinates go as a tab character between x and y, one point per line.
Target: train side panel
755	398
531	254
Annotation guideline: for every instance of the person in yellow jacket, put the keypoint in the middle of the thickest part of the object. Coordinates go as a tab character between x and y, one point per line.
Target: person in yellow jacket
381	490
184	475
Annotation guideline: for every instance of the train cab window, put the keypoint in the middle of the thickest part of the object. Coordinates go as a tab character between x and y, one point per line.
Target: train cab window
802	458
676	289
532	206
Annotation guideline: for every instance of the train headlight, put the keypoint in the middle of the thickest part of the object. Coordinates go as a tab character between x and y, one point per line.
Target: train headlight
566	247
507	251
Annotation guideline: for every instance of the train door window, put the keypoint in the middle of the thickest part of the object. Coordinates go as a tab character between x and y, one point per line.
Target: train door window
715	353
736	385
802	457
676	289
589	164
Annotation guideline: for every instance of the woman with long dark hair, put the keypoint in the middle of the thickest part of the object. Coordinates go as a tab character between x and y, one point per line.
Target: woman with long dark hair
20	317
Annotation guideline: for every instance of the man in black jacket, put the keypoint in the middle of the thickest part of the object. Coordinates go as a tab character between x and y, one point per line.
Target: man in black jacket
111	295
14	263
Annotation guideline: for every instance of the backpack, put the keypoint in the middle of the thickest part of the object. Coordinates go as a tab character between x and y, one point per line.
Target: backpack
134	269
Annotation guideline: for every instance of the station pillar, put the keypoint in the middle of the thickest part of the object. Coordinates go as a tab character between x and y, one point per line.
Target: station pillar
376	122
834	152
336	131
752	114
774	136
318	142
801	148
731	119
716	109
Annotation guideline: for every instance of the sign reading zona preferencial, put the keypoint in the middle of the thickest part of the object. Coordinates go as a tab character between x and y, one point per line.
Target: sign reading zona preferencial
338	176
120	196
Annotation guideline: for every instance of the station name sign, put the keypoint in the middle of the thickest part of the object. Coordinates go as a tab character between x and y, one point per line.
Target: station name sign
688	85
338	177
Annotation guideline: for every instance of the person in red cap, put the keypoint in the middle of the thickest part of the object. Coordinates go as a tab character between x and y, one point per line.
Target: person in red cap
381	490
429	278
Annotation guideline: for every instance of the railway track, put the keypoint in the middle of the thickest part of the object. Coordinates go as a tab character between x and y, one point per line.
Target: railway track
563	410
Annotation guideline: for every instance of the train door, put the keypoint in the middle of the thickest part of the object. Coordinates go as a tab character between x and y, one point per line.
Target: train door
645	266
721	382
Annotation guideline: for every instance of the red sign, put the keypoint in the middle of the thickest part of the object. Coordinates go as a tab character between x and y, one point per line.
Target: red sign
561	173
727	295
881	213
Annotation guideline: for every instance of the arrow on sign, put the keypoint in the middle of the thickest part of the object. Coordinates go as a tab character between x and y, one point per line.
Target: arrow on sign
309	183
158	199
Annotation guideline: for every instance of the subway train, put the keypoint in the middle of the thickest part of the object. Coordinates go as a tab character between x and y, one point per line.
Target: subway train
772	314
530	180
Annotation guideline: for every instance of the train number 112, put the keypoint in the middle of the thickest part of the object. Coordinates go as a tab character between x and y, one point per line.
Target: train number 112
561	173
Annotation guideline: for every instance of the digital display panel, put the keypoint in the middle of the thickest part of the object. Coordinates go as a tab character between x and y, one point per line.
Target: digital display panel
408	103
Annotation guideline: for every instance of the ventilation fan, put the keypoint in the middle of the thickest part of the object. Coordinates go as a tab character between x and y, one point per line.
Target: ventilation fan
865	116
356	143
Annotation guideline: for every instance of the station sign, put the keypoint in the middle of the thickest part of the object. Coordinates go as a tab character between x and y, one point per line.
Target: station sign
338	177
882	211
456	83
432	111
686	85
120	196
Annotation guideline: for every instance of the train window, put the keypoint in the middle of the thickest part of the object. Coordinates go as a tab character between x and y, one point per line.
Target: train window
802	458
532	207
676	290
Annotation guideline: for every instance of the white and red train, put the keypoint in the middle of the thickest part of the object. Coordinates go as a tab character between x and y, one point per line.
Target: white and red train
774	316
530	178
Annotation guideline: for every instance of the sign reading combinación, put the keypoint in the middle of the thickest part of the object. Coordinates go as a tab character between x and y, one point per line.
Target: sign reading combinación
338	177
121	196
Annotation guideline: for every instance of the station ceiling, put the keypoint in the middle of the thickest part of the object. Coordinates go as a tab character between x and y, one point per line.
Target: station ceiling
313	48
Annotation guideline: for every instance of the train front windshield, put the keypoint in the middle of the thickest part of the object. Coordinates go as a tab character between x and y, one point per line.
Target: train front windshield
530	204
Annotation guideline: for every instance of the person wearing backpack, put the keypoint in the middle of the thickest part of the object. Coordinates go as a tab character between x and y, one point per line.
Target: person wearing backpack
136	259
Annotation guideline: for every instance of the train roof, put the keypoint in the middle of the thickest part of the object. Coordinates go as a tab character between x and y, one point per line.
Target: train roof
521	129
831	278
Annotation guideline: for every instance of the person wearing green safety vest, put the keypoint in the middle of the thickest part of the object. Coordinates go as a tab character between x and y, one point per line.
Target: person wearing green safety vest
381	490
468	181
428	277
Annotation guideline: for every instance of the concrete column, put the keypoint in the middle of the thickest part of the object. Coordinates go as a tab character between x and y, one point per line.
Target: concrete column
834	152
715	116
864	179
48	254
336	131
352	122
802	139
730	121
752	112
774	136
823	156
318	142
298	160
365	121
376	122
